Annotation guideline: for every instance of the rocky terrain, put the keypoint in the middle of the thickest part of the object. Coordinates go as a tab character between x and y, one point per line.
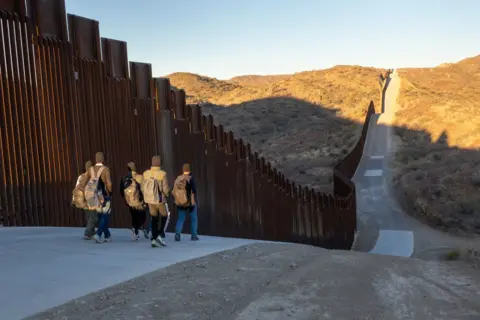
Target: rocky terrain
438	161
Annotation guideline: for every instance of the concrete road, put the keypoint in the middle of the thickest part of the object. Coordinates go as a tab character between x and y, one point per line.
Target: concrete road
383	227
44	267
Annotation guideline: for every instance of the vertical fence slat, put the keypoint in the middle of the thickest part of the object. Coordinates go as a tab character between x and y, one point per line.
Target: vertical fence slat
5	202
12	146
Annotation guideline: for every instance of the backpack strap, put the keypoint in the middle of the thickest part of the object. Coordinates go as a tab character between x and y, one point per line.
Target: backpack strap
91	173
99	173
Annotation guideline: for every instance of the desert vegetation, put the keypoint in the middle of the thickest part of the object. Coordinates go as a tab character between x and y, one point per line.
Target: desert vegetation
303	123
438	161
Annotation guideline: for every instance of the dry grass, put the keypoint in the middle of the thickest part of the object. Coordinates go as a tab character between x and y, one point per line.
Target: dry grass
439	161
302	123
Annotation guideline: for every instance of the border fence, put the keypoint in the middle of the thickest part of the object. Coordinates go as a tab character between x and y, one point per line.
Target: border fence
66	94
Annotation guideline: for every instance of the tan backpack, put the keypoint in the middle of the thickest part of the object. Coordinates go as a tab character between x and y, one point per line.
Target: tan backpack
133	195
152	191
78	196
93	195
180	191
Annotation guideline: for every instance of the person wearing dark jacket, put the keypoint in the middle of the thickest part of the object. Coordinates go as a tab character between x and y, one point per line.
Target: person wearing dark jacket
136	206
191	189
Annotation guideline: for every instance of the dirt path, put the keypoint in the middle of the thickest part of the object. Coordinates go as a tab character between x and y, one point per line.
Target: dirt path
378	209
286	281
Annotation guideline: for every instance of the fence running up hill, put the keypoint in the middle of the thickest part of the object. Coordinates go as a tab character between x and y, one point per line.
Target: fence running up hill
67	94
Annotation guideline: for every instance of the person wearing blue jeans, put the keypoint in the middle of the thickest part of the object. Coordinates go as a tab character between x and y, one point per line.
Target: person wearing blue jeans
182	213
103	221
191	209
105	185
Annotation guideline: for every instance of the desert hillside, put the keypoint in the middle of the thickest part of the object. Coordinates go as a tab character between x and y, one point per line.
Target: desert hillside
438	162
303	123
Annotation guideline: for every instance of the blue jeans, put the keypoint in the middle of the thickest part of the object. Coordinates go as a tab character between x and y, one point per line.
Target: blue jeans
103	220
193	220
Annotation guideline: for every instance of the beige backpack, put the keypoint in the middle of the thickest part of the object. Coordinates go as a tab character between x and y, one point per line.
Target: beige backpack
180	191
78	196
152	191
93	195
133	195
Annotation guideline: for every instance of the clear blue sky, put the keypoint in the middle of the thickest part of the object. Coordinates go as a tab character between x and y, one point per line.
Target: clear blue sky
225	38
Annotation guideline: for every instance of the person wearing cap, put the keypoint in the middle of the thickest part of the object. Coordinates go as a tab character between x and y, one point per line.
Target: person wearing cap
191	188
157	209
138	211
91	217
105	184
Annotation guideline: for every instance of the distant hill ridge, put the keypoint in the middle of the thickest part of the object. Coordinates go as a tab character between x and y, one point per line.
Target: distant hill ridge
345	88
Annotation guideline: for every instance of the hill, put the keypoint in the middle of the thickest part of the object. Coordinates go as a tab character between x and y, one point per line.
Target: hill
258	80
439	170
303	123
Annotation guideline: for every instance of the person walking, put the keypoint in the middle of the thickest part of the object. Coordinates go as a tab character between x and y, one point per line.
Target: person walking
98	193
155	191
185	194
130	190
78	201
164	222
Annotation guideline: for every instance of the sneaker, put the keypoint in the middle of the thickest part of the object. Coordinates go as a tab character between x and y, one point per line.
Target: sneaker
161	242
97	239
109	239
195	238
135	237
155	244
177	237
87	238
145	233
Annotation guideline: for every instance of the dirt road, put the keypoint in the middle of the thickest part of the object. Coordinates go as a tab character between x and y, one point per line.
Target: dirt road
286	281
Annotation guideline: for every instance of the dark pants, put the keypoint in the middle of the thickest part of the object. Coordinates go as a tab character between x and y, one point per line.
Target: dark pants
92	219
138	219
158	226
155	221
148	222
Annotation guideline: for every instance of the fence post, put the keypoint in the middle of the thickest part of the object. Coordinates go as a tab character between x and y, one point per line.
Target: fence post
196	119
180	104
165	126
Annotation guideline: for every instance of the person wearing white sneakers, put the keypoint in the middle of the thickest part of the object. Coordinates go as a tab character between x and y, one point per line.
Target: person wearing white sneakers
155	191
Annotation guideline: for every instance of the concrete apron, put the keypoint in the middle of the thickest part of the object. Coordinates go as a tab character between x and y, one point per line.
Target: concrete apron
45	267
394	237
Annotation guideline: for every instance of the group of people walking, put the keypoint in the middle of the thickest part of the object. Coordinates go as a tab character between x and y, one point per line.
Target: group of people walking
146	196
